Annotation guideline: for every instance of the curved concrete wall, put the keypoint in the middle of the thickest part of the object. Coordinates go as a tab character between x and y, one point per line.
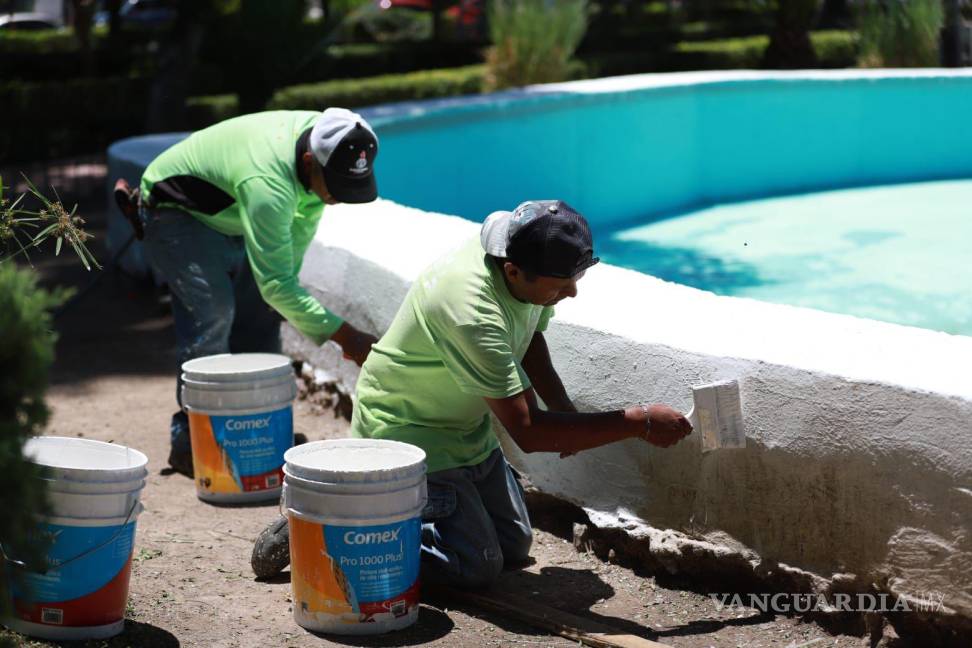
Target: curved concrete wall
859	461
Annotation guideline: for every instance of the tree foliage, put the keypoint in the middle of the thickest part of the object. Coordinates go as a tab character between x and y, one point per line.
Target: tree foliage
901	33
26	354
533	40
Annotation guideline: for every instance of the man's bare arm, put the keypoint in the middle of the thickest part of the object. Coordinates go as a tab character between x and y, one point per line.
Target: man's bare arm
537	430
546	382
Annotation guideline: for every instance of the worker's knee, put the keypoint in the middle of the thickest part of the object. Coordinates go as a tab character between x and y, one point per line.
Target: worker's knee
479	570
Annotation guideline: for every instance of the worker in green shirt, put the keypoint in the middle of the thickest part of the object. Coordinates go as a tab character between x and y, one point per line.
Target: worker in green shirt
467	342
227	216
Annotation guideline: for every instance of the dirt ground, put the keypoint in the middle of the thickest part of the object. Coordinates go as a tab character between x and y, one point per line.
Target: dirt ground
192	585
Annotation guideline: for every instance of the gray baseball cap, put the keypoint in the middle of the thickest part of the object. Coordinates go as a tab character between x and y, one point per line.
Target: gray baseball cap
345	145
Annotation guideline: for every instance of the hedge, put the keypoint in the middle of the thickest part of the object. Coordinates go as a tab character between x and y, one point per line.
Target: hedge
51	119
373	59
355	93
835	49
206	110
100	110
381	89
56	54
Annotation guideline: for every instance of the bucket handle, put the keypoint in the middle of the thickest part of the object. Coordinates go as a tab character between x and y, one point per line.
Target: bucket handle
23	565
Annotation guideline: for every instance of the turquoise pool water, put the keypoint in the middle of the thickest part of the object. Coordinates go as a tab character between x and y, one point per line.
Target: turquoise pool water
895	253
628	152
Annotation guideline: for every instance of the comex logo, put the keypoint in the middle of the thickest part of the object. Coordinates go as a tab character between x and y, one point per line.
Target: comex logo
236	425
372	537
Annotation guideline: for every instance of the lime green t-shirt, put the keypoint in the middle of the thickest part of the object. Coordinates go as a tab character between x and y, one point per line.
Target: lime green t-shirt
458	336
240	178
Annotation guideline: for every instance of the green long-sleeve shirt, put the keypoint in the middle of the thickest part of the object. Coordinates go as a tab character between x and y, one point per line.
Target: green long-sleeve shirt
241	178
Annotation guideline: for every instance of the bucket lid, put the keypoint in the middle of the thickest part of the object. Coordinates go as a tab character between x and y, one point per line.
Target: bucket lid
237	367
354	460
85	459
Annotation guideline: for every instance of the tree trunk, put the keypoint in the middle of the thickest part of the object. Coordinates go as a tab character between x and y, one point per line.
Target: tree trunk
952	34
790	46
83	13
438	7
836	14
114	19
170	88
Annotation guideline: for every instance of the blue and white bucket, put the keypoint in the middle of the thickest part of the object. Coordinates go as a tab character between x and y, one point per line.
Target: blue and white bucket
94	489
240	409
354	507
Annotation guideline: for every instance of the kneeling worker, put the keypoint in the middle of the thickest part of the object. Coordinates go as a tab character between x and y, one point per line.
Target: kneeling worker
227	216
468	340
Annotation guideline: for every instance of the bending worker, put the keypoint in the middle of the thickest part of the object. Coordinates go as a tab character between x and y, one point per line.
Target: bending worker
228	214
468	341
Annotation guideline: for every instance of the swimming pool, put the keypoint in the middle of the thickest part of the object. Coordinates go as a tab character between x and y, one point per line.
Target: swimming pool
674	173
898	254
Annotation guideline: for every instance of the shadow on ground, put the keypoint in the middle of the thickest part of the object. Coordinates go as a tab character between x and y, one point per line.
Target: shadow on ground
135	635
432	624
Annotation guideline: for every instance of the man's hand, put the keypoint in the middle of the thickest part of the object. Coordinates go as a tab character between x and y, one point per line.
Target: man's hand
355	344
666	426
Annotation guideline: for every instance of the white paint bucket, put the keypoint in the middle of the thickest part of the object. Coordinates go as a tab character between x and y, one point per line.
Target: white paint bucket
240	409
94	490
354	507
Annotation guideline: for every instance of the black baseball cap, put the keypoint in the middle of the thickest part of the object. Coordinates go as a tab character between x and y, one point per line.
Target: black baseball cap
545	237
345	146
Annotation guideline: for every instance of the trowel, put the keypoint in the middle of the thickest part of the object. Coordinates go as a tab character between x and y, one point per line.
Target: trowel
717	415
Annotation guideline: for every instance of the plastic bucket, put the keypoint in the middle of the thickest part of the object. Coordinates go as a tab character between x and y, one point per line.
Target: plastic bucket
94	491
240	409
354	508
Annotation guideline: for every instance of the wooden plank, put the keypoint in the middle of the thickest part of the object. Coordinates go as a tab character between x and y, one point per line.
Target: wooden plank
565	624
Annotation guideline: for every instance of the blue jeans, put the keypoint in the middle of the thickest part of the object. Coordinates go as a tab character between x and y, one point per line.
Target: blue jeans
215	301
475	521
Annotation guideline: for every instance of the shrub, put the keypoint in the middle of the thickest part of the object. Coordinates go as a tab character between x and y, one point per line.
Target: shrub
900	33
26	353
50	119
727	54
381	89
56	54
834	49
533	40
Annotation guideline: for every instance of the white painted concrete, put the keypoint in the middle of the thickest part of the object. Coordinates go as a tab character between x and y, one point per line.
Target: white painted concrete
859	458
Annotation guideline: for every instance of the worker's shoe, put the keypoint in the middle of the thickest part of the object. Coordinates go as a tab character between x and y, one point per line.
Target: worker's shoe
180	451
271	552
127	200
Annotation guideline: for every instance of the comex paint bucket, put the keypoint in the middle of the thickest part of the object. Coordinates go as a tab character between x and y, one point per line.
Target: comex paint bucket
240	409
94	490
354	508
